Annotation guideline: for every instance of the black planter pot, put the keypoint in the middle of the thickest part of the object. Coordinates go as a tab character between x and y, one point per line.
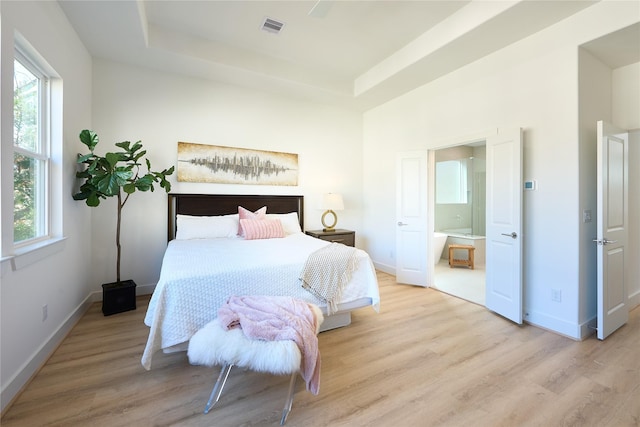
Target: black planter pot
118	297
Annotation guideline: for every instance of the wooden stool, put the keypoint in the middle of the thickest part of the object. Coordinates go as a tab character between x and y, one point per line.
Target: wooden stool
462	262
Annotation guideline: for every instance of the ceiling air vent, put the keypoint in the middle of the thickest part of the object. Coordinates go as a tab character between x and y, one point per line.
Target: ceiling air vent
272	26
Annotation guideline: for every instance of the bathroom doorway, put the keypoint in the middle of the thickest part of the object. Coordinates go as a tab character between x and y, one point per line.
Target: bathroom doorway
460	218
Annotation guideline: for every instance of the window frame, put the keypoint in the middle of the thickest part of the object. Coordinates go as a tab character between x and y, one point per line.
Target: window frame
16	257
42	152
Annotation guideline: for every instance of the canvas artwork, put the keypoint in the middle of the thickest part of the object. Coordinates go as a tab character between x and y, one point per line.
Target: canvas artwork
229	165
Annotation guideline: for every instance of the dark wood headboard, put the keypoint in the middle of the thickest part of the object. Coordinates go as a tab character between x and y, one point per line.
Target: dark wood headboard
225	204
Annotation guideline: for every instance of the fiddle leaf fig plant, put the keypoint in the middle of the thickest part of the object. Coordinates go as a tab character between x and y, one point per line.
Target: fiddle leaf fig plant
116	174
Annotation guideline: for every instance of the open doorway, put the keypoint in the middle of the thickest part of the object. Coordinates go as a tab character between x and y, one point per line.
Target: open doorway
415	213
460	219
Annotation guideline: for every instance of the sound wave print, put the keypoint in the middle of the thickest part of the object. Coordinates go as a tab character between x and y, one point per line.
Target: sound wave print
211	163
251	167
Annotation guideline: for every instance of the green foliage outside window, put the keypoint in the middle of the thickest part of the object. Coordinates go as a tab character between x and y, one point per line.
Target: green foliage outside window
27	170
24	193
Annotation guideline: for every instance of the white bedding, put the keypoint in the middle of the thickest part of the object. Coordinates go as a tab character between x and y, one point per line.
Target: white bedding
199	275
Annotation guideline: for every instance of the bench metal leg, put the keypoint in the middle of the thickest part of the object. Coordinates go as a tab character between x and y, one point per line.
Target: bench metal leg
289	403
222	380
217	388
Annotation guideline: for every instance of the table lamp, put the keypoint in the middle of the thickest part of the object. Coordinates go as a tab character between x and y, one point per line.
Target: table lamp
331	202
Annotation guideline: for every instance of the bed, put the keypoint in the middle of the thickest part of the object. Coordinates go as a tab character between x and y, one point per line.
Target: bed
206	262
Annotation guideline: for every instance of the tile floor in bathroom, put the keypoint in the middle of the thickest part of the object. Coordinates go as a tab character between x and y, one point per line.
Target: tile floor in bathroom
461	282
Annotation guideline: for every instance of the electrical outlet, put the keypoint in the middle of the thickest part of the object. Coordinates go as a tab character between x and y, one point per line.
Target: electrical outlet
45	312
556	295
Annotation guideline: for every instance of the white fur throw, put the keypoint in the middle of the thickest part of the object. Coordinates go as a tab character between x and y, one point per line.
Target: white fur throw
213	345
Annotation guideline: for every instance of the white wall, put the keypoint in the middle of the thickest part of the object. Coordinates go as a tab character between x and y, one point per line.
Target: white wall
61	280
612	96
634	215
626	115
531	84
626	96
594	79
162	109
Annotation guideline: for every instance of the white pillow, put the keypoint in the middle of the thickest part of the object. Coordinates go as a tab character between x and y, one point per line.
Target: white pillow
206	227
290	222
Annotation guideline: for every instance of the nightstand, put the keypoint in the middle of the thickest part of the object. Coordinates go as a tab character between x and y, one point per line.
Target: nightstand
346	237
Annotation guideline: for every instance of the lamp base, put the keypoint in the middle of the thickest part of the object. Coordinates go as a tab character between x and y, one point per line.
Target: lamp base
329	227
329	230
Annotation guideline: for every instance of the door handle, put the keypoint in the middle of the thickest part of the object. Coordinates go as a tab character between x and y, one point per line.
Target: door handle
604	241
401	224
513	234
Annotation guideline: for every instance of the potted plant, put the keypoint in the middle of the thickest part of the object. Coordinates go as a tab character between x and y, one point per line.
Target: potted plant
116	174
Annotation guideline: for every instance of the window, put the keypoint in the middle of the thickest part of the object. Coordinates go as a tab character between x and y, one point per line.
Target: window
30	152
31	205
451	181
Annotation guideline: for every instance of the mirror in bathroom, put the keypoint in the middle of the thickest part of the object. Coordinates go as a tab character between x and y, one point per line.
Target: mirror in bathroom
452	182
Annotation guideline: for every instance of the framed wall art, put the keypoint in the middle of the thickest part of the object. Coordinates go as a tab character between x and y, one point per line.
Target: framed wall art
229	165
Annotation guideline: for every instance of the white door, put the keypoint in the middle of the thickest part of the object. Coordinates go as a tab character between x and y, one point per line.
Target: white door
411	218
503	293
612	228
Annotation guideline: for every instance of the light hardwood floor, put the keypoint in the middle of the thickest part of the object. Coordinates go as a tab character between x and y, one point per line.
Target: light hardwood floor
426	359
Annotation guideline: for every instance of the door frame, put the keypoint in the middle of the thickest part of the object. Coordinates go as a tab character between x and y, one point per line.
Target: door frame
458	141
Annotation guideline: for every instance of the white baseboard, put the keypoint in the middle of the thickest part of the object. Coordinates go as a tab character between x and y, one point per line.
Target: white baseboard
588	328
389	269
39	358
145	289
559	326
634	300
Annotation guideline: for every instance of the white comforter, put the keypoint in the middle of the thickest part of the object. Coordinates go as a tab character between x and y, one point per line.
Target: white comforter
199	275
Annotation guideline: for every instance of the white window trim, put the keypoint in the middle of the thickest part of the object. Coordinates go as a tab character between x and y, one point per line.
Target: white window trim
27	255
43	151
19	255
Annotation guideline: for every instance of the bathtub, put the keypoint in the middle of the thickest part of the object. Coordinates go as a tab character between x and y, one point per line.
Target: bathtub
461	233
439	240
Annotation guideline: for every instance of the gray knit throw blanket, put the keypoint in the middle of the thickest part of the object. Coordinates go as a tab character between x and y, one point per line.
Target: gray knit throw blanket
327	271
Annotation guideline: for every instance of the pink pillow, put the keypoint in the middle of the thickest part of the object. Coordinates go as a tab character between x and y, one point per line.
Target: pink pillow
262	228
247	214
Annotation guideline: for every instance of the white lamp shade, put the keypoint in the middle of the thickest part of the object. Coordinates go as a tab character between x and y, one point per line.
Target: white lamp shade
332	202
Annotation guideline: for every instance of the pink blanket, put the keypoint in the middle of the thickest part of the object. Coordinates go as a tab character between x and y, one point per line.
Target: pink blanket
272	318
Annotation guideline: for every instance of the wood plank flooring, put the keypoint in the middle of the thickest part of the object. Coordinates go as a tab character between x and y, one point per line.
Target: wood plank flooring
427	359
